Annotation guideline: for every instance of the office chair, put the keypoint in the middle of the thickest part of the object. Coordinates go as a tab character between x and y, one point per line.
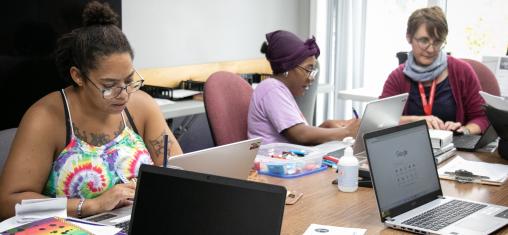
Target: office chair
227	98
488	81
6	138
401	56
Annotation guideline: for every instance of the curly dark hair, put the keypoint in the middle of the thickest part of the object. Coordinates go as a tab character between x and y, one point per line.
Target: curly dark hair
98	37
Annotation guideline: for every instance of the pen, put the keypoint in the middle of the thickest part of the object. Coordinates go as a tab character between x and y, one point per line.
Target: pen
165	164
355	113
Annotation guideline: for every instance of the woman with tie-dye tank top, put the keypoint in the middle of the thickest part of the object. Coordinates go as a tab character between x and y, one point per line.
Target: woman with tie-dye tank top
87	141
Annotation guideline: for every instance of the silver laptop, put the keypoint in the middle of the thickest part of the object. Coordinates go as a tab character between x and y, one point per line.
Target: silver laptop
379	114
408	191
233	160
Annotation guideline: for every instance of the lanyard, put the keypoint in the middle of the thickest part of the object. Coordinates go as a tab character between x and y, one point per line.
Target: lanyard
427	106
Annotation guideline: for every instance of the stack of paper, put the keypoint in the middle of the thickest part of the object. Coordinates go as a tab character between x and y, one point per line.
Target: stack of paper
441	154
34	209
182	93
440	138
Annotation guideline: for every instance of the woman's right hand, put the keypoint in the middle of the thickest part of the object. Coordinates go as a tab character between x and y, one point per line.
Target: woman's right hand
434	122
118	196
352	126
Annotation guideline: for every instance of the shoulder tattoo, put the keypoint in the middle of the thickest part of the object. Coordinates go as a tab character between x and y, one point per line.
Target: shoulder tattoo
96	139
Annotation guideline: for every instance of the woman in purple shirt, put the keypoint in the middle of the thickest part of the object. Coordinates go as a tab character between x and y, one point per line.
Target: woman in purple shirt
442	90
273	112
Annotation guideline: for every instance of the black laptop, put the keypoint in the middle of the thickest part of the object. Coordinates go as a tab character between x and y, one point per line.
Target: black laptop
171	201
473	142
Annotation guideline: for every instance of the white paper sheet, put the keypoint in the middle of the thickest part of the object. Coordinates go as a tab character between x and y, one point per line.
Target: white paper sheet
317	229
495	101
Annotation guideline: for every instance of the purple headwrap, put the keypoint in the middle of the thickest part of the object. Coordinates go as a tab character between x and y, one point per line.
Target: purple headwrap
286	50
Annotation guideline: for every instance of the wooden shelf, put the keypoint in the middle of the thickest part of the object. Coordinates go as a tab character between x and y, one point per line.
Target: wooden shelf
171	76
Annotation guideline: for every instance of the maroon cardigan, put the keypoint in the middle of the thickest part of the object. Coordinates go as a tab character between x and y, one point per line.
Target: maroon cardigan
464	85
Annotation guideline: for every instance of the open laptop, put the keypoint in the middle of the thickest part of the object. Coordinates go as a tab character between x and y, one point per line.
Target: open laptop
473	142
233	160
408	190
379	114
171	201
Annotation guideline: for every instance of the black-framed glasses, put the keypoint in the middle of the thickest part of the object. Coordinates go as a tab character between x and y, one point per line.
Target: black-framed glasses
311	72
424	43
113	92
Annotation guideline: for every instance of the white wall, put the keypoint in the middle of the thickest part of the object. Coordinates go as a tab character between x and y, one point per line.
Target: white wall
167	33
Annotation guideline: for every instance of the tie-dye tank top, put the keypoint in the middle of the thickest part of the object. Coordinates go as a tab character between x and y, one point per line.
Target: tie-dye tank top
83	170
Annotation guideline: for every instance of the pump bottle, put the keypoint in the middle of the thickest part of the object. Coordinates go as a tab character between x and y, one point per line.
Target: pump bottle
347	180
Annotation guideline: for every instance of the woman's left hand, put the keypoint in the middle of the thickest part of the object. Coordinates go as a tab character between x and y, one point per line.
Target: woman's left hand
452	126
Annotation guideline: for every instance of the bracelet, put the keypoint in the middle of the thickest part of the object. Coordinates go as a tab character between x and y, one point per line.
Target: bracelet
80	206
465	130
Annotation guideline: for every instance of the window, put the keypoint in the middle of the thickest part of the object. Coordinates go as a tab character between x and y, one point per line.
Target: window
385	36
477	28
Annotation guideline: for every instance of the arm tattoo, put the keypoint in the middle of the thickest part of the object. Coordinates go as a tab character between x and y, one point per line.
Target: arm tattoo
157	145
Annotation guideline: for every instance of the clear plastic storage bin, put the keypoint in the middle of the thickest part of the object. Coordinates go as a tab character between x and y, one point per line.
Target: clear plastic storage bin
288	160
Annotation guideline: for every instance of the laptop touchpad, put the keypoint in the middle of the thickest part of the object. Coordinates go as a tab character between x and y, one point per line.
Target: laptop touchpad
478	223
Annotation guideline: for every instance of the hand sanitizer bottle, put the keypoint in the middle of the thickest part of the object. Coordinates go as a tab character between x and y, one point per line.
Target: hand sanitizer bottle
347	180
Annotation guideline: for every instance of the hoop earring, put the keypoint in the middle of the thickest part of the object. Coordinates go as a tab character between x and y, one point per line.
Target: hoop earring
286	74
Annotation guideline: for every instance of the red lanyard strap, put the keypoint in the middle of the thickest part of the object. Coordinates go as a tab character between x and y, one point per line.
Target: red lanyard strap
427	106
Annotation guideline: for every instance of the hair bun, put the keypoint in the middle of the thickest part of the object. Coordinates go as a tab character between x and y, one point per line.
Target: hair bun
97	13
264	48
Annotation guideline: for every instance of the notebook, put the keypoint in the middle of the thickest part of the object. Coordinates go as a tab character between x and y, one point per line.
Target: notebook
233	160
473	142
51	225
408	190
379	114
171	201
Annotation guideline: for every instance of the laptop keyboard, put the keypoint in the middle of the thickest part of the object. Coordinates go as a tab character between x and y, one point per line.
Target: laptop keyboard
444	215
124	226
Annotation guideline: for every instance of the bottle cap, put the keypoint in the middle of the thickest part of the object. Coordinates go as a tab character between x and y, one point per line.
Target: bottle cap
349	140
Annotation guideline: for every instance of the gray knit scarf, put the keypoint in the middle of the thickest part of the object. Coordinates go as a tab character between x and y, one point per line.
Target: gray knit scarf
418	73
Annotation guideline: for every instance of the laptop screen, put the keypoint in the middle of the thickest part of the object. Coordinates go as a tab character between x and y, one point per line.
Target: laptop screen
170	201
402	167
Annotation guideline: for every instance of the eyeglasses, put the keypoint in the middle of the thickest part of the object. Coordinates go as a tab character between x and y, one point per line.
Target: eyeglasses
311	72
113	92
424	43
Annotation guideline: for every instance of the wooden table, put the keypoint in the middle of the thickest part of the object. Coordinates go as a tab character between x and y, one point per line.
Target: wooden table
322	202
